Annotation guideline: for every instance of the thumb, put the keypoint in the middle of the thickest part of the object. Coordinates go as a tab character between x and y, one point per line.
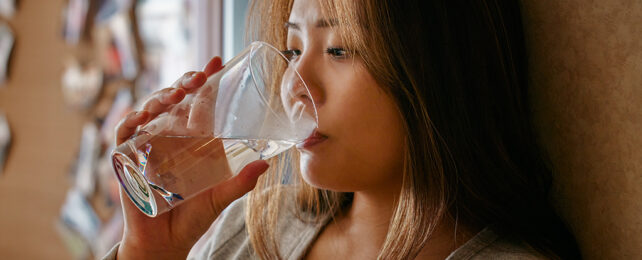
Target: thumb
213	66
225	193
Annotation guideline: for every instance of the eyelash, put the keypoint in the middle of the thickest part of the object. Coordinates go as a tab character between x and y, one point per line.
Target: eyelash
335	52
291	54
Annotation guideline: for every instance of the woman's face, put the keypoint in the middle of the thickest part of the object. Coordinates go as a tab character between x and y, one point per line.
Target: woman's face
360	129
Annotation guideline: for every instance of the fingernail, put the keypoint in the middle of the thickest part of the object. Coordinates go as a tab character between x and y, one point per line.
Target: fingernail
171	93
187	79
266	164
263	168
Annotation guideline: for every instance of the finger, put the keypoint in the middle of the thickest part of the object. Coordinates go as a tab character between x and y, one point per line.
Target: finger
133	215
190	81
202	111
225	193
201	114
160	101
127	126
215	65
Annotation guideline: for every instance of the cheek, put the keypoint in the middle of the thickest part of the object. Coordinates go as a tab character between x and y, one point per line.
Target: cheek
375	138
366	148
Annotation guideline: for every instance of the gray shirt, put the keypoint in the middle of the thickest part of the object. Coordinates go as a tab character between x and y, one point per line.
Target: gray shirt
231	240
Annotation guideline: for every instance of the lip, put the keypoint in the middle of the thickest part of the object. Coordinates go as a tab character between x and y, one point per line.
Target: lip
315	138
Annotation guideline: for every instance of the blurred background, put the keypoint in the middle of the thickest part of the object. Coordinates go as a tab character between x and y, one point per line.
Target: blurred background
70	69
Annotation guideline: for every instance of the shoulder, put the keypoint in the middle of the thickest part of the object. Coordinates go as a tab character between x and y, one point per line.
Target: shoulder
231	240
488	244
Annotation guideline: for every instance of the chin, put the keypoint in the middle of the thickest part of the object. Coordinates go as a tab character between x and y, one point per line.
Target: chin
324	184
311	172
318	176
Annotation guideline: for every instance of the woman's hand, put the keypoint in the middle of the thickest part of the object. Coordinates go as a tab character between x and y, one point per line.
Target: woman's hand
172	234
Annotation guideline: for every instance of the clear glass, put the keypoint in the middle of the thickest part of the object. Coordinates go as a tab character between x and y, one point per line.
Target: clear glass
255	108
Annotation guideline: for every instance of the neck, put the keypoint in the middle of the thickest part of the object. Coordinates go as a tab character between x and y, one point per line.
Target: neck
364	226
369	214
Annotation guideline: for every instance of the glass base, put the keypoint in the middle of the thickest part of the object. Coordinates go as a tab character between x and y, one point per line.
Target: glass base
133	182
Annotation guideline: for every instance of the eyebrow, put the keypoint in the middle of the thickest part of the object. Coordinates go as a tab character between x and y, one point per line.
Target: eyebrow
321	23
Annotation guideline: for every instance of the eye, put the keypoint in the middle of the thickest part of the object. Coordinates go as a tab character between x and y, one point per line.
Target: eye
337	53
291	54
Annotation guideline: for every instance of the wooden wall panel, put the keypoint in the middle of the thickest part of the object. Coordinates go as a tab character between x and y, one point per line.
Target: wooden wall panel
586	59
586	64
45	136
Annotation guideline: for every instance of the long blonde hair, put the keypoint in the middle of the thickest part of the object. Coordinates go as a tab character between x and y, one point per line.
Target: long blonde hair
456	71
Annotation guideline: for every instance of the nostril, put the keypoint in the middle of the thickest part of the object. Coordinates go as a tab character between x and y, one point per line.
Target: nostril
305	97
302	93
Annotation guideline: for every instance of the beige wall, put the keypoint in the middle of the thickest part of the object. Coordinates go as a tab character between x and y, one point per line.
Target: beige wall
586	59
45	136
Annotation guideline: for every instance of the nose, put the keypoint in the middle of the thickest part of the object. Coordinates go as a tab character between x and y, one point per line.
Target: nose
310	89
296	96
301	92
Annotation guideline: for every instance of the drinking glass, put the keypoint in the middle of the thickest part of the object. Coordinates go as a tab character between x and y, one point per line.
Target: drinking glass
256	107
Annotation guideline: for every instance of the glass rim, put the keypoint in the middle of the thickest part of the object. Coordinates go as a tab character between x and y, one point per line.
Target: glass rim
253	46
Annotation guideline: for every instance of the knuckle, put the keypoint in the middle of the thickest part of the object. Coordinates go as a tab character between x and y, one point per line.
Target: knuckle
188	74
159	93
119	126
128	117
151	102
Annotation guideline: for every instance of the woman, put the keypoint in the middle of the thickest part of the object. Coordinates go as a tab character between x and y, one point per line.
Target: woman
425	148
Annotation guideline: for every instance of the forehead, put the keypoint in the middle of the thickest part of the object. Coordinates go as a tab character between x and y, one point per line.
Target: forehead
306	12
